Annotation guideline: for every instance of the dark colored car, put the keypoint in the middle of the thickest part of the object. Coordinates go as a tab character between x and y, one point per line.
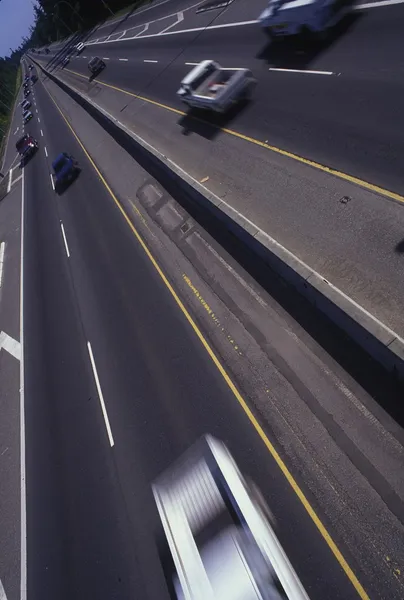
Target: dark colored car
96	65
66	169
27	92
65	61
26	146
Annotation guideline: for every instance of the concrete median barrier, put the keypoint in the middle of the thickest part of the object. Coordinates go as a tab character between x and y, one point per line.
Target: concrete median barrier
373	336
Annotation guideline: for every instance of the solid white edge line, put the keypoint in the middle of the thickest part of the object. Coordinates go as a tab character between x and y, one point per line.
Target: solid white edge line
52	182
65	240
100	396
2	248
23	499
302	71
46	152
41	133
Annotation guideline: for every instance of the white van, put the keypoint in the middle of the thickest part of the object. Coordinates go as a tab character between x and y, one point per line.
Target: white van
285	18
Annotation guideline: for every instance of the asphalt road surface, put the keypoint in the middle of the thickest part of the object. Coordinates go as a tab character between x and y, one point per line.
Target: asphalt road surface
91	515
344	110
97	312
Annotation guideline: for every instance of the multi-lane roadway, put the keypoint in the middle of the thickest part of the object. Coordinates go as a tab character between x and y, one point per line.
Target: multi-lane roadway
338	104
124	368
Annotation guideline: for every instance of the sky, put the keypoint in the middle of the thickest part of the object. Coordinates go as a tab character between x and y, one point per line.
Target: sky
16	16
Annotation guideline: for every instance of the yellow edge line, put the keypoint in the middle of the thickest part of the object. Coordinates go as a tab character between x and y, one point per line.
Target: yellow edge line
246	138
316	520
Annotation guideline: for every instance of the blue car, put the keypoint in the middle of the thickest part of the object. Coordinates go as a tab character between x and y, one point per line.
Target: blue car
66	168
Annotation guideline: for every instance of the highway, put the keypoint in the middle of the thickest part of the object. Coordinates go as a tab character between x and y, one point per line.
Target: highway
89	504
344	111
125	369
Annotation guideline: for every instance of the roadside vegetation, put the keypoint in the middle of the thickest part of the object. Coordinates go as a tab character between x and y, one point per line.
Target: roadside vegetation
57	19
10	81
54	20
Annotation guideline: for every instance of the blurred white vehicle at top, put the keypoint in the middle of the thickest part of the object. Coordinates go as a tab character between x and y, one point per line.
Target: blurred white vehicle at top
283	18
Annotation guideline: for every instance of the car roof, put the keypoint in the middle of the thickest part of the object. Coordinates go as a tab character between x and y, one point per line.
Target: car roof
60	159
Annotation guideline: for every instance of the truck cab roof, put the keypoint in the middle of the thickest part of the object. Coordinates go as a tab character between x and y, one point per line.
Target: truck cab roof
199	70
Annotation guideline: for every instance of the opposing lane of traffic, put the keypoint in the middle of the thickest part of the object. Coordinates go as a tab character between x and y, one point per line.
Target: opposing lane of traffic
350	121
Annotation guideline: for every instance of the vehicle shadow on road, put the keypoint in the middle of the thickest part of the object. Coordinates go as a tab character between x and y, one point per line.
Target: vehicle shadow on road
298	54
399	249
210	125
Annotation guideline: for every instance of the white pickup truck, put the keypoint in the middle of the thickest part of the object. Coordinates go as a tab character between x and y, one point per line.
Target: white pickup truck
309	18
212	87
218	533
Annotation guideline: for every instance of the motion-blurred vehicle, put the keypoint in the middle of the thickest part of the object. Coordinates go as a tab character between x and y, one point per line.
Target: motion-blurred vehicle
96	65
26	146
27	116
79	48
309	19
218	534
211	87
66	169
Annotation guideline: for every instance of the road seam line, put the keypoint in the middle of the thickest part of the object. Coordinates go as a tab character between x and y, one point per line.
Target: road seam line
65	239
254	422
100	396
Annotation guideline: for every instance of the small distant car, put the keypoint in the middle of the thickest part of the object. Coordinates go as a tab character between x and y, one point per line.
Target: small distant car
66	169
27	116
96	65
80	47
65	61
